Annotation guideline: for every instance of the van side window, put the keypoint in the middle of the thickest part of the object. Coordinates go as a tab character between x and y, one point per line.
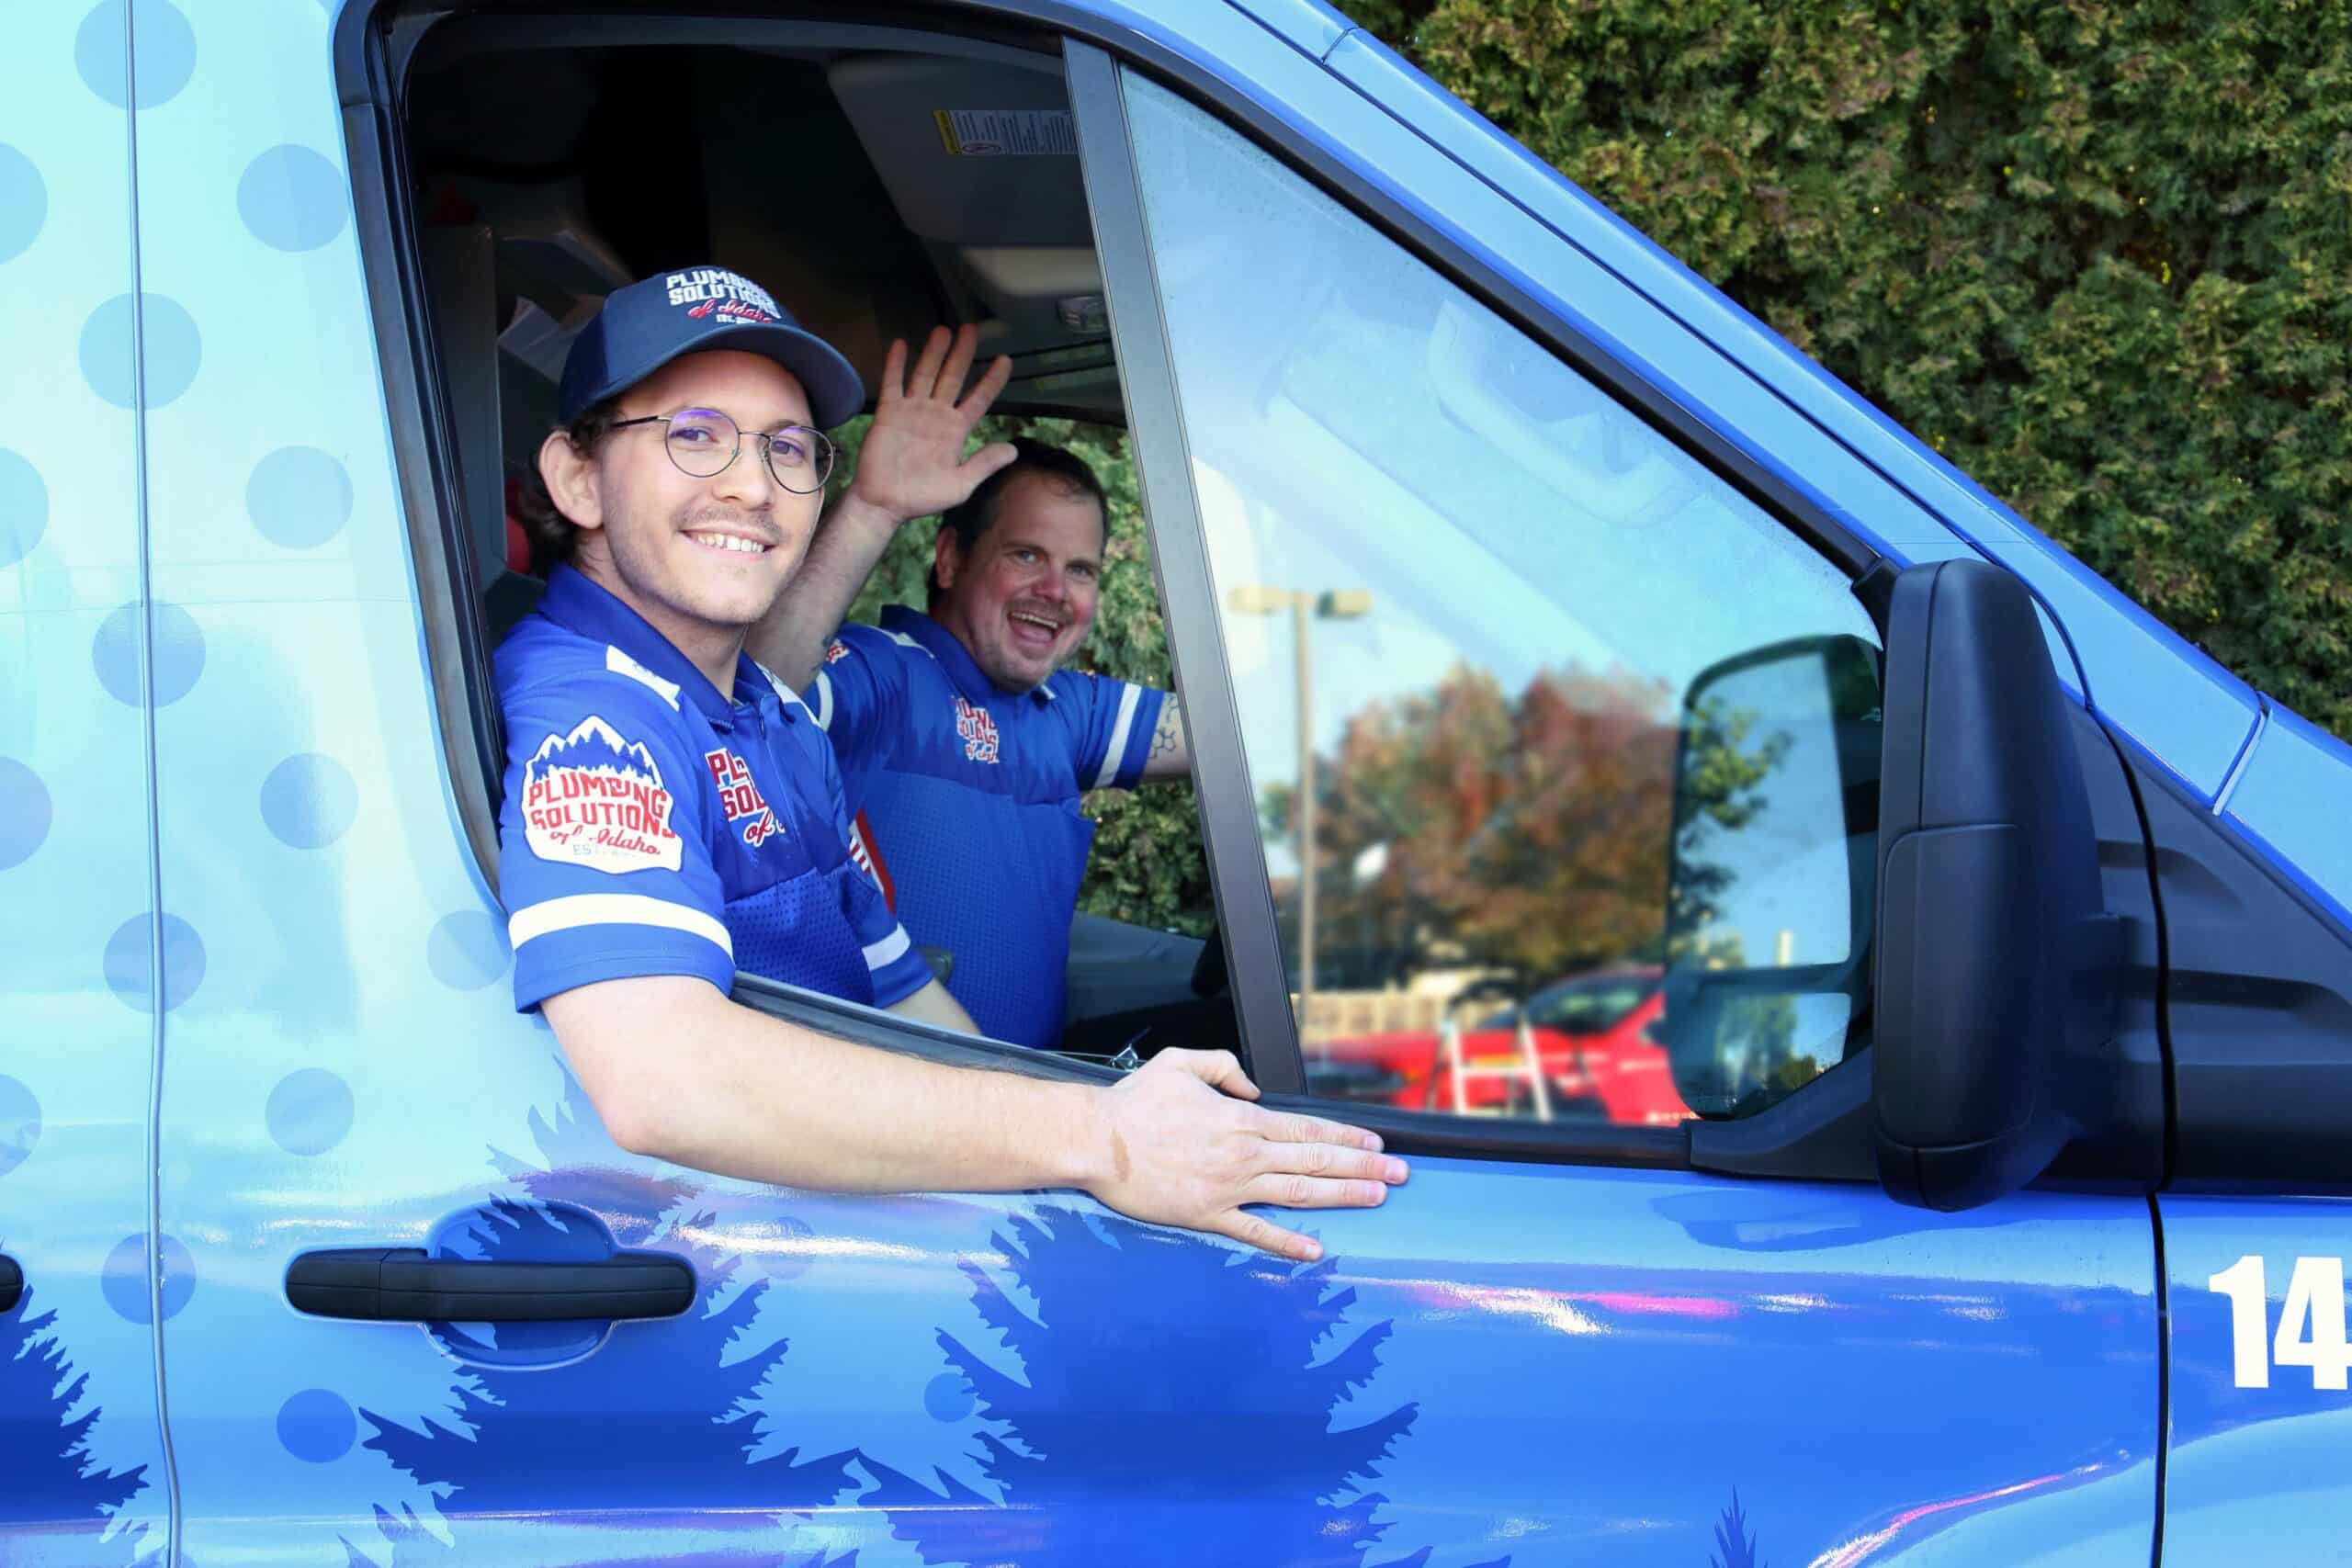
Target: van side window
1479	616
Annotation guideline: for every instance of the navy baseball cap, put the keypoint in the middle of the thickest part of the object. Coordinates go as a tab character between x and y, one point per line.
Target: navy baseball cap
653	320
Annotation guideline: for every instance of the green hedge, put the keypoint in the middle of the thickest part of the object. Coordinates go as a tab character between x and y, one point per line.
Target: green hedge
2098	253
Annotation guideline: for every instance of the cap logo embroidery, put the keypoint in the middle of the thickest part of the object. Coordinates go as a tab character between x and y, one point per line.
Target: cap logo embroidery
708	291
977	727
592	798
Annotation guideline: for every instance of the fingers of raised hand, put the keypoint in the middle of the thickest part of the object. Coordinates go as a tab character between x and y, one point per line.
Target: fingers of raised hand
985	390
1251	1230
926	380
894	374
960	349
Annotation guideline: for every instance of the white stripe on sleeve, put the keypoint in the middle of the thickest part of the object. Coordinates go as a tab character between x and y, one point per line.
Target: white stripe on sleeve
1127	700
613	909
824	702
880	955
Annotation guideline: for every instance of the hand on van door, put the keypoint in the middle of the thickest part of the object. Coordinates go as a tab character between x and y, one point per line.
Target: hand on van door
911	465
678	1071
1184	1150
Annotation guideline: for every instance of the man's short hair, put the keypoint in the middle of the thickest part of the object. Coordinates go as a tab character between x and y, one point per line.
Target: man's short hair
553	536
977	515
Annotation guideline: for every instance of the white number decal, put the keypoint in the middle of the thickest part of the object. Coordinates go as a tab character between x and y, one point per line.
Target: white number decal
2241	1282
2310	1323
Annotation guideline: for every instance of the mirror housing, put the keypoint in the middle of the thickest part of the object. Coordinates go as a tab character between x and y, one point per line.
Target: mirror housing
1993	966
1996	958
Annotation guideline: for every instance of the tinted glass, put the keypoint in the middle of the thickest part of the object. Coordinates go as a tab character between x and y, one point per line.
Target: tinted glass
1465	596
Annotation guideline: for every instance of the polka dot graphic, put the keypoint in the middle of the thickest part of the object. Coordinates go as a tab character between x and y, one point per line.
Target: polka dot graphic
292	198
123	1279
309	1111
19	1123
317	1425
24	812
174	349
309	800
467	951
130	960
298	497
790	1255
24	507
24	203
166	53
179	653
948	1397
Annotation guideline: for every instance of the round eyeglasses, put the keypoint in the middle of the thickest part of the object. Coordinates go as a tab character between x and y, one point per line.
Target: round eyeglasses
703	442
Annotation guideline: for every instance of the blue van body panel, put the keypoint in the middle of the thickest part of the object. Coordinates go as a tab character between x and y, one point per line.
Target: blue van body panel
82	1473
2184	707
2294	798
211	661
2253	1474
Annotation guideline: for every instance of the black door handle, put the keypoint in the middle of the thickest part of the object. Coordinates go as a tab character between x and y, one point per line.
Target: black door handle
400	1284
12	1283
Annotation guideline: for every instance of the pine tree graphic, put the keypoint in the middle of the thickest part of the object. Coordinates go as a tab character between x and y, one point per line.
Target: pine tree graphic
1186	1419
536	1440
48	1479
1735	1542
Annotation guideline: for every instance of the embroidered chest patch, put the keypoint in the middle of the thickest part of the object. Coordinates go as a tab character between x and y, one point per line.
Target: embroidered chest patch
977	727
740	799
592	798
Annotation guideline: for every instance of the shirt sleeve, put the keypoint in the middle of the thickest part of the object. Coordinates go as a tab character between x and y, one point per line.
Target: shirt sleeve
853	693
897	970
604	857
1111	724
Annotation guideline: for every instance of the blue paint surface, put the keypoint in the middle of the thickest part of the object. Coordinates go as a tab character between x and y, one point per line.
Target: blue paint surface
52	1487
309	801
123	1279
468	950
129	961
25	812
24	507
292	199
310	1111
178	659
166	47
175	350
298	497
24	203
316	1425
19	1123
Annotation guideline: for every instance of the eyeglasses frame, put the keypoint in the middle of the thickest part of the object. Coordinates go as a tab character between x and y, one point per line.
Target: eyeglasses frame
766	438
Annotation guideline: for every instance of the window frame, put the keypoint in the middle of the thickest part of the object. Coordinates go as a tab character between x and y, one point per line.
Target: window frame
373	45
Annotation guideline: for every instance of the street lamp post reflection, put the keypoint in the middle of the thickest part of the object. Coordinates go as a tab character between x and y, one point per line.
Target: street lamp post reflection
1334	604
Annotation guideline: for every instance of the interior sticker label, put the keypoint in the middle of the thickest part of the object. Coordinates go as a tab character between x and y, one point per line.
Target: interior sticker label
1006	133
592	798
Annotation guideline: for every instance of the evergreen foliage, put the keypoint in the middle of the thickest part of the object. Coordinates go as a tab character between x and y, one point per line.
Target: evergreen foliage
1735	1542
1190	1420
47	1478
2098	255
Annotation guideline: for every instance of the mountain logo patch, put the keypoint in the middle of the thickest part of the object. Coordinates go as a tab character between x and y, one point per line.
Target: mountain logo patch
592	798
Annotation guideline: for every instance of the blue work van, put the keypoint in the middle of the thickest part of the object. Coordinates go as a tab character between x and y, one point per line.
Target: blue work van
1996	941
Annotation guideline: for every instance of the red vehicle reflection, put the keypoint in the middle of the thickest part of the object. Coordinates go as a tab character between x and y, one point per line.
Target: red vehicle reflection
1591	1057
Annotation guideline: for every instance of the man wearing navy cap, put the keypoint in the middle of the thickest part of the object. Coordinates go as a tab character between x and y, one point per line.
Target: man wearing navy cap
672	814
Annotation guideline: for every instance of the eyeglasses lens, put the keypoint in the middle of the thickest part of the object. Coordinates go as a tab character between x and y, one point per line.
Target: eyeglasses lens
702	442
801	458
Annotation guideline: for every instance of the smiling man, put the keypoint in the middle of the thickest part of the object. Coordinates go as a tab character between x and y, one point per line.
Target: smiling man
672	814
965	744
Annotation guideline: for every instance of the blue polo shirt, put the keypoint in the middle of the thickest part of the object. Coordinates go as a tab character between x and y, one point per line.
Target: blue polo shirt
971	794
654	826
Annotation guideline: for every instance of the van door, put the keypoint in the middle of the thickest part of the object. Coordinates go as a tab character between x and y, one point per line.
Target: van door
92	967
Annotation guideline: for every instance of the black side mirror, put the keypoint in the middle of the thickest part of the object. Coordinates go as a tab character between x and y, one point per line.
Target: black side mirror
1997	957
1976	958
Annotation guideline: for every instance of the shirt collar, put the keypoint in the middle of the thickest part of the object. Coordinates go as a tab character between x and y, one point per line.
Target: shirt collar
949	650
579	604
